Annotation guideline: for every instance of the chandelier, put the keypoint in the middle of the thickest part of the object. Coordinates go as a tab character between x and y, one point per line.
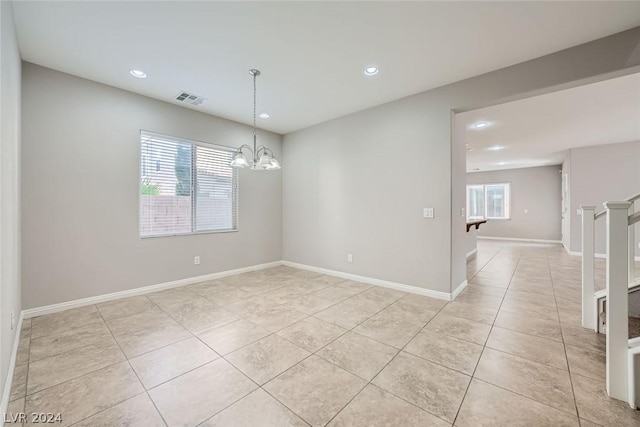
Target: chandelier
262	158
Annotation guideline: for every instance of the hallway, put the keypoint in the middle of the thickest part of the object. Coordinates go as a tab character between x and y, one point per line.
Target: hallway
551	358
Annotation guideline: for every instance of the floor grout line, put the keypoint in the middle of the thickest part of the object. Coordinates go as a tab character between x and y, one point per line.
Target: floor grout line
486	340
564	346
134	372
370	382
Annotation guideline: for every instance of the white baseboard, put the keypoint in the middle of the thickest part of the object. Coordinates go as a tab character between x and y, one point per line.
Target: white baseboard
372	281
519	240
459	289
580	254
472	253
6	393
54	308
596	255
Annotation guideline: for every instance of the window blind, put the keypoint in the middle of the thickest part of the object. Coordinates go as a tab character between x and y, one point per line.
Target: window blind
186	187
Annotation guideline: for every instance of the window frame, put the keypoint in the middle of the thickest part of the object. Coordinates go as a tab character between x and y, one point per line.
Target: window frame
484	212
194	158
485	216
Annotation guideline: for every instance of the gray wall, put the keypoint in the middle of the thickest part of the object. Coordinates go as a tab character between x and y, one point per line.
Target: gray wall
358	184
9	186
534	190
601	173
471	241
80	193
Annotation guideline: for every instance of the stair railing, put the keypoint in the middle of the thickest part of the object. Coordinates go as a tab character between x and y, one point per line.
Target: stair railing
620	271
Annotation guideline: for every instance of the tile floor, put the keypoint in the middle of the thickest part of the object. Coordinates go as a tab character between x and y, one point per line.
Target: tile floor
283	347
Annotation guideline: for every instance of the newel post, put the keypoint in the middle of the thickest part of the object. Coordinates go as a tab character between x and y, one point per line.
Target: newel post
617	298
588	269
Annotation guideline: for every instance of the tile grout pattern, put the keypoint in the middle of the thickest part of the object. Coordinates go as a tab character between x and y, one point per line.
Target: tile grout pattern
485	343
291	347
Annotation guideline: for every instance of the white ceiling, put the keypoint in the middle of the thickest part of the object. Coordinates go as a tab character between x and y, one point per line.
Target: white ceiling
537	131
312	54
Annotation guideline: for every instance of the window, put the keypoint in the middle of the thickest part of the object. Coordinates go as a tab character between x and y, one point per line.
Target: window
186	187
489	201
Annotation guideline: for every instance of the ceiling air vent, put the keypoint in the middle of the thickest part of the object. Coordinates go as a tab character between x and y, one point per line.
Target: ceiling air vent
190	98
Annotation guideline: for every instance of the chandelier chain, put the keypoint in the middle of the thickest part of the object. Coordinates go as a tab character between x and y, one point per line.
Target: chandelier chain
254	103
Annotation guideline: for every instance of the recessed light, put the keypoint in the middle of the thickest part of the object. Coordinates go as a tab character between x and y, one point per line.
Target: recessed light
264	115
480	125
138	73
371	71
495	147
502	163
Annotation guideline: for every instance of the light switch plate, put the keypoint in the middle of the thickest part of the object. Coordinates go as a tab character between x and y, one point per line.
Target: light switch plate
428	213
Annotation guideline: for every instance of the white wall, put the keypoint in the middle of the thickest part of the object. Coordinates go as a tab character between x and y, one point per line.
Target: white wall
566	226
598	174
358	184
9	186
80	193
536	203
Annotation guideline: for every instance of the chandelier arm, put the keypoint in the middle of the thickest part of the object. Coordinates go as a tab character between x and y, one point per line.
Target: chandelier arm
248	147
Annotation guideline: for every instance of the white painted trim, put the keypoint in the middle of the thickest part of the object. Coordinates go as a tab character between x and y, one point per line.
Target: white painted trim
54	308
472	253
12	365
596	255
520	240
580	254
372	281
459	289
632	381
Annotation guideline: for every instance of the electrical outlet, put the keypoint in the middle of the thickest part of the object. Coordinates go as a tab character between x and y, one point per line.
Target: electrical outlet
196	260
13	319
428	213
350	258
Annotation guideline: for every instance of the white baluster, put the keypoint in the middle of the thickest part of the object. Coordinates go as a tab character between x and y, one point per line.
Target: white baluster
589	312
632	247
617	298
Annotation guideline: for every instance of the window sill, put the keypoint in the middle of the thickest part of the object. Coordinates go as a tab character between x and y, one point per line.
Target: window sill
193	233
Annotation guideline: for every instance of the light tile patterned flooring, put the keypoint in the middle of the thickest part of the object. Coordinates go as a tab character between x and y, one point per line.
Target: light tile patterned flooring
283	347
